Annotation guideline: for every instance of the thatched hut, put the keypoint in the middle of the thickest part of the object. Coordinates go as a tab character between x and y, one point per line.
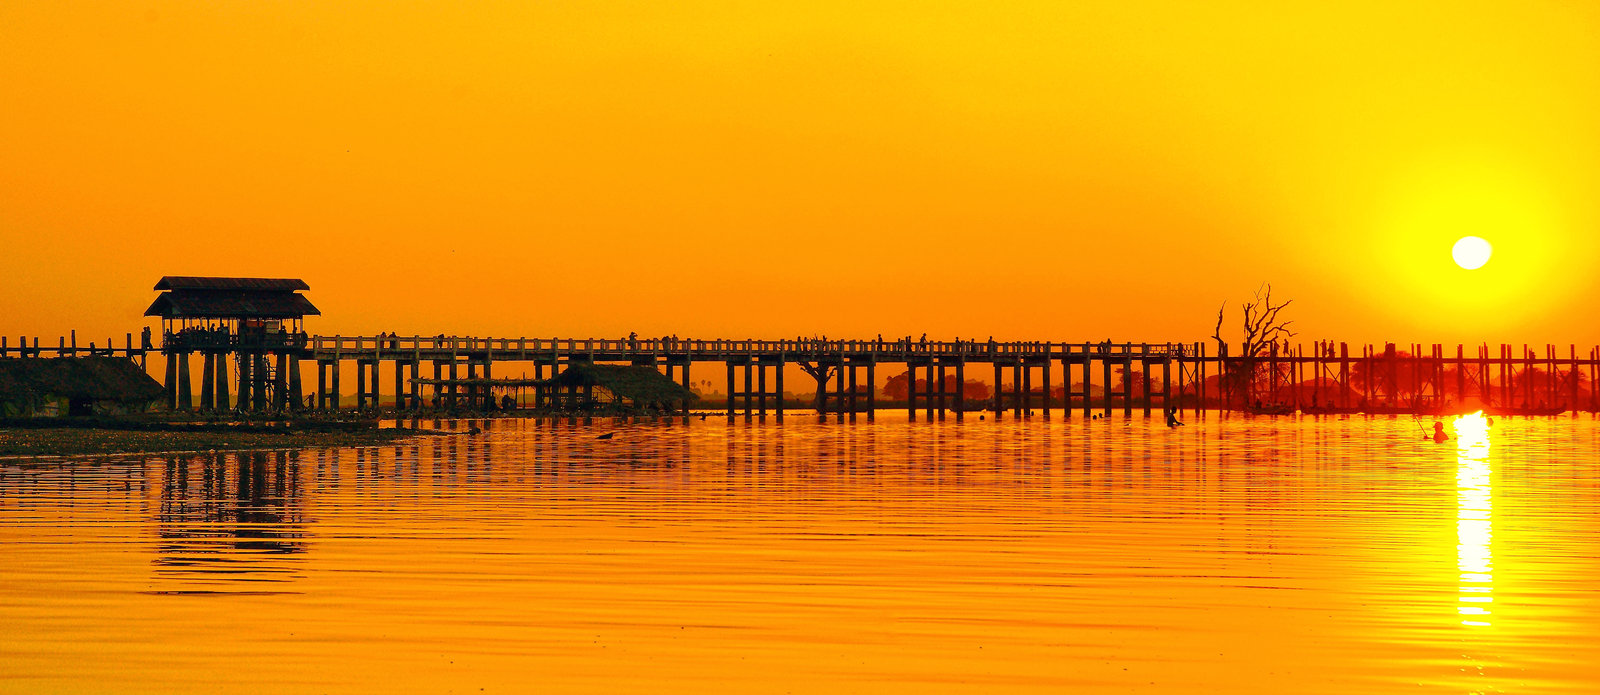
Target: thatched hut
592	385
35	387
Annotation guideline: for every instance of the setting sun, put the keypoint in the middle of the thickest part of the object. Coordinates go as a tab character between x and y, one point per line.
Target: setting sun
1471	252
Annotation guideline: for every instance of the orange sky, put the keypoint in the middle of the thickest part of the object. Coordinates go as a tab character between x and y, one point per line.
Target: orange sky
1064	171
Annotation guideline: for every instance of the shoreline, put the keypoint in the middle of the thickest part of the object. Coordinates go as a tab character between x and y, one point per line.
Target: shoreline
48	443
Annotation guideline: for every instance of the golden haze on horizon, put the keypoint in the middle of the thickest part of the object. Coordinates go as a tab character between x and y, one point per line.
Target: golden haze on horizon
1033	171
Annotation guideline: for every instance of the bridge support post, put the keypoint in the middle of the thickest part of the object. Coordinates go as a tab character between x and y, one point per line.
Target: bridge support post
872	389
1044	375
999	392
488	385
258	394
416	388
961	389
761	387
280	378
246	381
454	389
683	378
221	376
208	384
185	393
1018	386
1066	388
911	391
1127	385
749	388
778	376
1105	363
399	386
171	381
1166	380
852	400
296	393
1144	371
333	387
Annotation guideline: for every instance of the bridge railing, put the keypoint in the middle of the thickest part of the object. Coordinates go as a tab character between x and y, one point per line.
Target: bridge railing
396	345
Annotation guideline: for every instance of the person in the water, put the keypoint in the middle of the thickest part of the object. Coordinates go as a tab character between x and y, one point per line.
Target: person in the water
1172	418
1438	432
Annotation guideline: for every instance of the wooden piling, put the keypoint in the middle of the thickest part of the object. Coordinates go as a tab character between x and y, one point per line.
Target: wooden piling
185	394
208	373
221	378
761	385
731	392
778	377
872	389
296	393
399	386
1044	375
1105	362
999	392
171	382
961	389
333	387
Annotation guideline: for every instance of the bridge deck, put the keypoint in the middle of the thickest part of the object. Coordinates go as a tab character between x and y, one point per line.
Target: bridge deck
362	348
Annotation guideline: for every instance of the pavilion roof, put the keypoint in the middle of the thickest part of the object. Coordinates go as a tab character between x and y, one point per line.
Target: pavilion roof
205	297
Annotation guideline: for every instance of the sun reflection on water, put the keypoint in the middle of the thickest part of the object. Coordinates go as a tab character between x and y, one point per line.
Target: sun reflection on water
1474	522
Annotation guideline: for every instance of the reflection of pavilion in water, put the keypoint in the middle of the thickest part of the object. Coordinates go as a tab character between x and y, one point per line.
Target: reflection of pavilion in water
1474	522
231	517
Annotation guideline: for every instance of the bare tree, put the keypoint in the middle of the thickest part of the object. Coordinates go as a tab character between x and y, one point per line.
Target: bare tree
820	372
1262	328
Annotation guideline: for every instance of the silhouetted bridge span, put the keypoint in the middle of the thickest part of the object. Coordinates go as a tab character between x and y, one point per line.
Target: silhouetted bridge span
844	371
1024	375
458	373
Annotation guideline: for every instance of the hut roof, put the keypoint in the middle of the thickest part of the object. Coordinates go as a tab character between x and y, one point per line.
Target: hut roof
198	297
231	304
187	282
631	382
93	378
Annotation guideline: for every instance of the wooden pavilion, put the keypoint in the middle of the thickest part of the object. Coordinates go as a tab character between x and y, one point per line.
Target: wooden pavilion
258	322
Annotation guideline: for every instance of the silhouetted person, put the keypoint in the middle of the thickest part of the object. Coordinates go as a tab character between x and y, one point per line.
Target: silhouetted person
1438	433
1172	418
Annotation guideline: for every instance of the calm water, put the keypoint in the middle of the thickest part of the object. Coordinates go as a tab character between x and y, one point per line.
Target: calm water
1274	555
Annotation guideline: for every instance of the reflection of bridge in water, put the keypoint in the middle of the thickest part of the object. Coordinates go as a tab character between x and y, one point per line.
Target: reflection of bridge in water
231	517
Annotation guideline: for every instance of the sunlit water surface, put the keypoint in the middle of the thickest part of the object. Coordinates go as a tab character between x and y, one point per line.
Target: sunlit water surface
1273	555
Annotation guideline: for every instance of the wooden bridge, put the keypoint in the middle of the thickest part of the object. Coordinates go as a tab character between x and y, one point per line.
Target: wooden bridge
844	370
1327	377
1024	375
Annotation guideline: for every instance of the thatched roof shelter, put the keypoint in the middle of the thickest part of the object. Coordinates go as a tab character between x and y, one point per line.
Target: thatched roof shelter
85	380
637	384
